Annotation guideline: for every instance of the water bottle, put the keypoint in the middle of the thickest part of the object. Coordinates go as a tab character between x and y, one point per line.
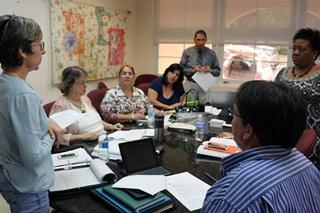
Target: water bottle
199	129
151	114
104	149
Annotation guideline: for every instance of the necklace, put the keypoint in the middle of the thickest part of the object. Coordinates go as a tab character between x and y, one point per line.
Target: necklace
79	106
304	73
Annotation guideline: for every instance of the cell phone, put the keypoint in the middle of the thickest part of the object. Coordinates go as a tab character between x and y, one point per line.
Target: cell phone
68	155
217	146
137	193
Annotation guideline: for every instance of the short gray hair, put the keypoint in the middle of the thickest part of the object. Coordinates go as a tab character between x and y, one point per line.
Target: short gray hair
69	76
16	32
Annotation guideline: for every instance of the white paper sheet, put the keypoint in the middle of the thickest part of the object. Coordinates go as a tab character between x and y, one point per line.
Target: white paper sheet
151	184
96	173
80	155
188	189
66	118
204	80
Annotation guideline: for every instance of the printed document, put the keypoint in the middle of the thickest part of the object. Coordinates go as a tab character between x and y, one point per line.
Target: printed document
186	188
204	79
75	156
66	118
96	173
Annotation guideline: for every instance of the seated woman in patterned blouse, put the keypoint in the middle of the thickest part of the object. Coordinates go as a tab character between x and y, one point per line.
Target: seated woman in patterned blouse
90	125
124	102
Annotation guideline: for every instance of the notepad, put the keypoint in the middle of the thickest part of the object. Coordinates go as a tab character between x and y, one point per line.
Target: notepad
95	173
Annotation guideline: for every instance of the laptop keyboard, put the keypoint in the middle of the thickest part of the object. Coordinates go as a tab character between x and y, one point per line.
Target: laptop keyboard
154	171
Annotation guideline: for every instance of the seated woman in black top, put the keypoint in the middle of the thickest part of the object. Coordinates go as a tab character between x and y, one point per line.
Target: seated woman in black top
167	91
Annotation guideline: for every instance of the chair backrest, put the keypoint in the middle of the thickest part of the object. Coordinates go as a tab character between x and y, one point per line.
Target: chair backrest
47	107
307	141
96	97
144	87
144	78
102	85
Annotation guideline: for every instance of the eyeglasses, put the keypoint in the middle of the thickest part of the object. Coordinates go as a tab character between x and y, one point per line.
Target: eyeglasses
80	82
233	113
41	45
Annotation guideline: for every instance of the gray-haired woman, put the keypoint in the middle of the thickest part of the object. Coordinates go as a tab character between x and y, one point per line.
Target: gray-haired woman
26	135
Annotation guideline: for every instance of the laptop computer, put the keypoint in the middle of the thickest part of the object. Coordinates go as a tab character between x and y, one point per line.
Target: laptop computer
140	157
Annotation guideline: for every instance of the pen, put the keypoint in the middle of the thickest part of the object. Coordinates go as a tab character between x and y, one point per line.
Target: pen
210	177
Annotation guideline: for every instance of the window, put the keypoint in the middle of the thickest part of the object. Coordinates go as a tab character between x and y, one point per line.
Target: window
249	62
251	36
171	53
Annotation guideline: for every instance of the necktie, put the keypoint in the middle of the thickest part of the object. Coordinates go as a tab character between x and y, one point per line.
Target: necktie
199	59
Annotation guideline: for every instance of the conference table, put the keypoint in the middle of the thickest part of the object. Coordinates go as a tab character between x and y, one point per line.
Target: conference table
179	155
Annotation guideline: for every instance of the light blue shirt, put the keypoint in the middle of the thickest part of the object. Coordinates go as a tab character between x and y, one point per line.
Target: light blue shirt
25	146
265	179
189	60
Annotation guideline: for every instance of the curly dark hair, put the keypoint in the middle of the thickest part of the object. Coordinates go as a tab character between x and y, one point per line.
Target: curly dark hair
16	32
69	76
276	112
311	35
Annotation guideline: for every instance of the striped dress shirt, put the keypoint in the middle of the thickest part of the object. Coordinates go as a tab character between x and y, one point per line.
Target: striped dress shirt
265	179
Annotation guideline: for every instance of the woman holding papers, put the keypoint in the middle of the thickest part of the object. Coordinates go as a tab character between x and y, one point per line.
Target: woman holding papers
167	92
124	102
90	125
26	135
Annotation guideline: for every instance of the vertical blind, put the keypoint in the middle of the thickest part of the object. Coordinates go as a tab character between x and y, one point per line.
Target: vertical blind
234	21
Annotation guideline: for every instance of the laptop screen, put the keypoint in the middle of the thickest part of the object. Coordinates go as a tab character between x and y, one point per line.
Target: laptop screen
138	155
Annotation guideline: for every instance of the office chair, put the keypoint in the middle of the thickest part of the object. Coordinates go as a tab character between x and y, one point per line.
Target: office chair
96	97
47	107
144	87
307	141
144	78
102	85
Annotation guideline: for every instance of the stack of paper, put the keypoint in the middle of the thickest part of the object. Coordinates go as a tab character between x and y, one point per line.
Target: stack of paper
215	153
188	189
121	137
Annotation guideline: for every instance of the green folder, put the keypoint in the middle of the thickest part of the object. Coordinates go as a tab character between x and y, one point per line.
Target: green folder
134	204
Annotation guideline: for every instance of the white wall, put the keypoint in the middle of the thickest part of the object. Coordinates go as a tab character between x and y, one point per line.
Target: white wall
41	80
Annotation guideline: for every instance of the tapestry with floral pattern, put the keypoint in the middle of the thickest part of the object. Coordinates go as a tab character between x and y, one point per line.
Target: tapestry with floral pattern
87	36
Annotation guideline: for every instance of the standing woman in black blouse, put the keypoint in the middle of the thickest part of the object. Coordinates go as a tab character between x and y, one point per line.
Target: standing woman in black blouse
305	76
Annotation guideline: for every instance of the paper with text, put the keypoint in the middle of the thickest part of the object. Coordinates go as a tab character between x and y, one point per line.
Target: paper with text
188	189
79	155
151	184
66	118
96	173
204	79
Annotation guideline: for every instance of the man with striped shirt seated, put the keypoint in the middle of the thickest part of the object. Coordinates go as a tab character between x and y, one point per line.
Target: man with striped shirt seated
269	175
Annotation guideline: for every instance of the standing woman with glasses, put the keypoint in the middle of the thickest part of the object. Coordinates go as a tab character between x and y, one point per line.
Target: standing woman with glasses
90	126
26	134
305	76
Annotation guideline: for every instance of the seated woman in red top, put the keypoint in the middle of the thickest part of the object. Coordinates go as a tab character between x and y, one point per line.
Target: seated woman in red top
167	91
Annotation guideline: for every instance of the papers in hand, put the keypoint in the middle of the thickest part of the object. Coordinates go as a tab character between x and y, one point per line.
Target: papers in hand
90	176
204	79
215	153
188	189
66	118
